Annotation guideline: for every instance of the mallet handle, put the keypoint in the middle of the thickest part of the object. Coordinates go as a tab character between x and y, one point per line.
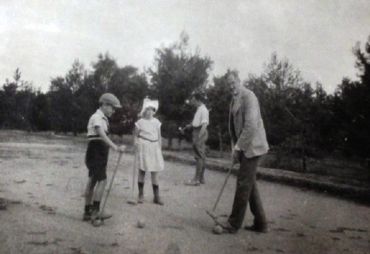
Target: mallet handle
111	183
223	187
134	173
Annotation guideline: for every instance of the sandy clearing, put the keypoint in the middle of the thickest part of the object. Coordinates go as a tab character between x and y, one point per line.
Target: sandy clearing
48	184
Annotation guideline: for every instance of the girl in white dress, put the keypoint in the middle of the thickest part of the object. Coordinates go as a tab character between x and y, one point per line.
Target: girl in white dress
148	143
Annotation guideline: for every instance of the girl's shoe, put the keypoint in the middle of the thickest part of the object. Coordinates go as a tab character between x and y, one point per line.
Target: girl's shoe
157	200
140	199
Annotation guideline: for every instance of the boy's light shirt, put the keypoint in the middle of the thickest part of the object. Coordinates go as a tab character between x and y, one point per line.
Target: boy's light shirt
98	119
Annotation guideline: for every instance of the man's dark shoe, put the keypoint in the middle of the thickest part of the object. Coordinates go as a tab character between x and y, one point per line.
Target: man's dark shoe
255	228
202	181
226	227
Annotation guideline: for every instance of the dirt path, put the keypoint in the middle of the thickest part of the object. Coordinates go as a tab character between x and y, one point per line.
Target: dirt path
42	184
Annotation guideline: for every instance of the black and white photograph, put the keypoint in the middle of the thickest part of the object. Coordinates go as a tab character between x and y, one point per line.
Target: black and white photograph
185	127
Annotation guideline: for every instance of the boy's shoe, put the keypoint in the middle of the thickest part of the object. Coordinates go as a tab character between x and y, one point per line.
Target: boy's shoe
192	183
95	215
257	228
105	216
87	213
86	216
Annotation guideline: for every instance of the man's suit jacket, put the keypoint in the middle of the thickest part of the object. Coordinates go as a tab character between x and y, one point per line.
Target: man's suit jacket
246	125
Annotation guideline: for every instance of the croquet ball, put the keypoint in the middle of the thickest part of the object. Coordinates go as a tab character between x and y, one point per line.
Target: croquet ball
140	223
217	230
97	223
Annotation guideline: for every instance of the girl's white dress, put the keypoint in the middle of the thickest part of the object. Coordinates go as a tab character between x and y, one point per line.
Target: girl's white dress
149	156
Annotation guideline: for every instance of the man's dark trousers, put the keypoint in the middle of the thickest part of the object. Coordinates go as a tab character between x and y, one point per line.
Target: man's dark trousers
247	191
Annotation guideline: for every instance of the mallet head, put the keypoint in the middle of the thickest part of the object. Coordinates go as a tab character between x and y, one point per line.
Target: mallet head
97	222
211	214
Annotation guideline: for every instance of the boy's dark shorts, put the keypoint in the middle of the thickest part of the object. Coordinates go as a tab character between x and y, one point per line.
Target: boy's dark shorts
96	159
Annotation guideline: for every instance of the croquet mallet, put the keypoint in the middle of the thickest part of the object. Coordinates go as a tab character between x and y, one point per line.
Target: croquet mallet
133	201
100	221
212	213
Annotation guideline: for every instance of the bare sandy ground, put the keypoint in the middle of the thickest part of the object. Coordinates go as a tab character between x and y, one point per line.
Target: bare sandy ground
41	187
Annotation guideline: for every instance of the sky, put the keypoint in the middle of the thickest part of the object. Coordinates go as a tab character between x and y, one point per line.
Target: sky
43	38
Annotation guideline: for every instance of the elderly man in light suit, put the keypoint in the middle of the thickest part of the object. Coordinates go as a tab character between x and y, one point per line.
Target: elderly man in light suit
249	144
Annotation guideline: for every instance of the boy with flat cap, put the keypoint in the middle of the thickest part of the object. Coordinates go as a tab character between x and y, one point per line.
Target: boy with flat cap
97	155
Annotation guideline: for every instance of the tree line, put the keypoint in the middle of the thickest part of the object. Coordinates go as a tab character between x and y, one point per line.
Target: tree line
300	118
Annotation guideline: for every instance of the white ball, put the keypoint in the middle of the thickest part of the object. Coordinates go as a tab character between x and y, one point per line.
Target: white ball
217	230
140	223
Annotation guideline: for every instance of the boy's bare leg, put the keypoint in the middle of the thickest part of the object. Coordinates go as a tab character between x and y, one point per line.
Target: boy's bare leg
99	190
98	195
89	192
